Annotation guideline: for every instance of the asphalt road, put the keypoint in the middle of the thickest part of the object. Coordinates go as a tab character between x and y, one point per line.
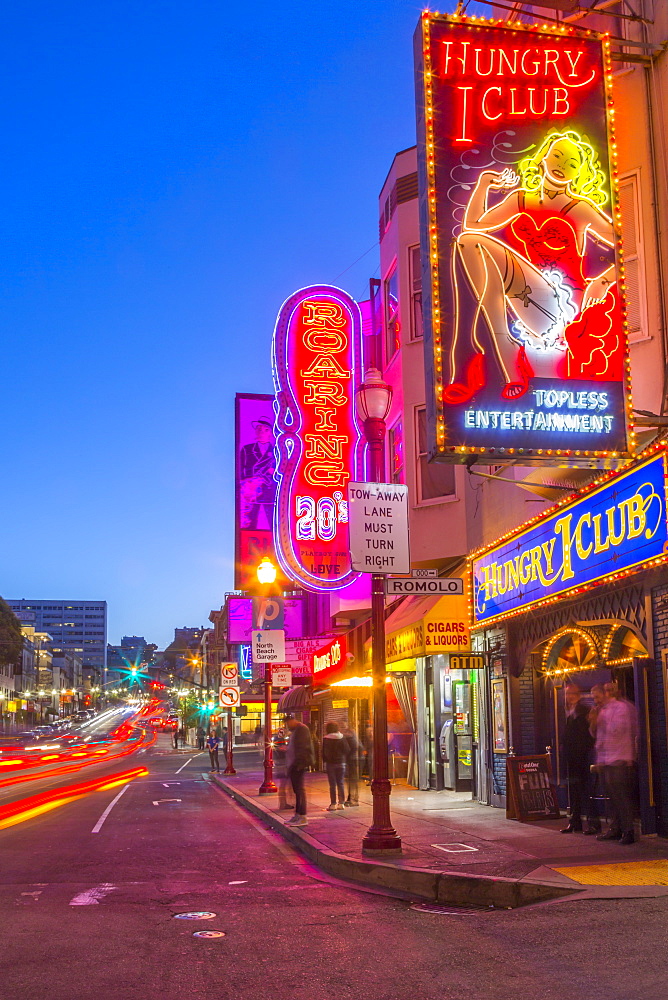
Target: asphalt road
90	916
32	781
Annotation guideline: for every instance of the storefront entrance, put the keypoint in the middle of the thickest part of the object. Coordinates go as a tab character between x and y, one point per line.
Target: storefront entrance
587	655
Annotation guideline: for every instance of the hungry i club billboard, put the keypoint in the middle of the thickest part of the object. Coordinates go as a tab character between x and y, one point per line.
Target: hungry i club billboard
525	330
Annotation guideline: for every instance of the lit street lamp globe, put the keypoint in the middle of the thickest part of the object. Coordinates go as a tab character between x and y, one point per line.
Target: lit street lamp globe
266	571
373	398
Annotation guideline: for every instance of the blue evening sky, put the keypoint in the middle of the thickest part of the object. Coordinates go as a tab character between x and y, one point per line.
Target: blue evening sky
170	173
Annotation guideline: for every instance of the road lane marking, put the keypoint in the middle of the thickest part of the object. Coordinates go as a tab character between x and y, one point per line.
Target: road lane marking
98	825
156	802
186	763
92	897
166	784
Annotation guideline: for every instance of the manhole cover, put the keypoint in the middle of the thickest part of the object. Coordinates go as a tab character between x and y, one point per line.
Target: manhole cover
209	934
195	915
444	908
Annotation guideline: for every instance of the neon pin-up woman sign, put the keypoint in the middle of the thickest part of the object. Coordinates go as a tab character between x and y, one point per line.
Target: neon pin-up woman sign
523	284
317	366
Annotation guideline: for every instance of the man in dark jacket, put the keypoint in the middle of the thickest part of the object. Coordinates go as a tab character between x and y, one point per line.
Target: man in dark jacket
352	766
335	751
298	759
578	745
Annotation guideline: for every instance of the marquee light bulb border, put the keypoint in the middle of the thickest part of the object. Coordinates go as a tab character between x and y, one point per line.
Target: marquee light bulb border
652	450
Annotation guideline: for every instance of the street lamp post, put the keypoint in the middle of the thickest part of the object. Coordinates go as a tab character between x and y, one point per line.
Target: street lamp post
266	574
373	400
229	768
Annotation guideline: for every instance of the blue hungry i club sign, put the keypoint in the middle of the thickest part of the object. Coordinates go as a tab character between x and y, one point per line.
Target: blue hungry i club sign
616	527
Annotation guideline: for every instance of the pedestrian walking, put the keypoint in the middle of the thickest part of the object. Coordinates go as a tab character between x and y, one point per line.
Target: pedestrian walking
614	723
352	767
258	735
298	759
201	738
213	744
334	755
176	737
578	745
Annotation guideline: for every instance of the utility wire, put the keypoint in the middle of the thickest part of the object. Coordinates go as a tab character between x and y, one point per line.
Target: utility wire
372	247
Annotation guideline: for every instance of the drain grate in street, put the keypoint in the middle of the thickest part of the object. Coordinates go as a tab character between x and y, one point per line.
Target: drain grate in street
448	908
209	934
195	915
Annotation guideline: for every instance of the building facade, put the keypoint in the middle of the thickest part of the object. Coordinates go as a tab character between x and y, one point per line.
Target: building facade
75	626
501	680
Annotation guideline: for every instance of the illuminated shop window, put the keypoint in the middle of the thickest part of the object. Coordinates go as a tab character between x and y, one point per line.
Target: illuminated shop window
416	292
396	446
434	480
392	329
634	267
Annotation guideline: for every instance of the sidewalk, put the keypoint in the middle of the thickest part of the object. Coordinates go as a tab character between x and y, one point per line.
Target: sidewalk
455	850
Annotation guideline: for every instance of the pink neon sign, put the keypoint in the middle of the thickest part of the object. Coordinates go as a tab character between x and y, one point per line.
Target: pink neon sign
317	366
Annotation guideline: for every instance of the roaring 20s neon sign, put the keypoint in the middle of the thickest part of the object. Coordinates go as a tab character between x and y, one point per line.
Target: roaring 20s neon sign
521	243
317	364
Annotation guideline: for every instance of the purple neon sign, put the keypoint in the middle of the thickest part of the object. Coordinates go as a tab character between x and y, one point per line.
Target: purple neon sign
317	361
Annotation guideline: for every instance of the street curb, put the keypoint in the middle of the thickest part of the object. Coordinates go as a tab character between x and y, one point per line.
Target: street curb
422	883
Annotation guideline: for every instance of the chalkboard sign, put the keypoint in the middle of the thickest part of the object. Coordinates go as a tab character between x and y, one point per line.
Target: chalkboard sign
530	794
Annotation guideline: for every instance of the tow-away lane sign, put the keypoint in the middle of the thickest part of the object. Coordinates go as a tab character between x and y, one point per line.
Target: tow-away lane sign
378	527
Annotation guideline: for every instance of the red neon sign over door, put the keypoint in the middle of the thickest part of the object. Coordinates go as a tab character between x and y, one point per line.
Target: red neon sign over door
317	364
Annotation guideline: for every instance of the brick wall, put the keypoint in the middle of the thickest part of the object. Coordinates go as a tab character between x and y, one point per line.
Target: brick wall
499	779
527	713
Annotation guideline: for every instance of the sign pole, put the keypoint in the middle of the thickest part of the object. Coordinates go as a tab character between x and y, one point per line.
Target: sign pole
381	837
268	786
229	769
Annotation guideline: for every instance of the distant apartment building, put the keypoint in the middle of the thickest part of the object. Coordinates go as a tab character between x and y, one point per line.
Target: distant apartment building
79	627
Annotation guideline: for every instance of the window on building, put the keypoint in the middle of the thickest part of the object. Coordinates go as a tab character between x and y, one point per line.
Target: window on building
396	448
415	269
391	303
634	266
434	479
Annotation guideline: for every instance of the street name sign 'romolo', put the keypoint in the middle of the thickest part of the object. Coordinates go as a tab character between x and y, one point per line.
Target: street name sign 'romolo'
378	527
439	585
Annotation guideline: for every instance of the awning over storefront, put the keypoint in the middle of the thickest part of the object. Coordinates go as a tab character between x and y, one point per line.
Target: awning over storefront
295	699
423	626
